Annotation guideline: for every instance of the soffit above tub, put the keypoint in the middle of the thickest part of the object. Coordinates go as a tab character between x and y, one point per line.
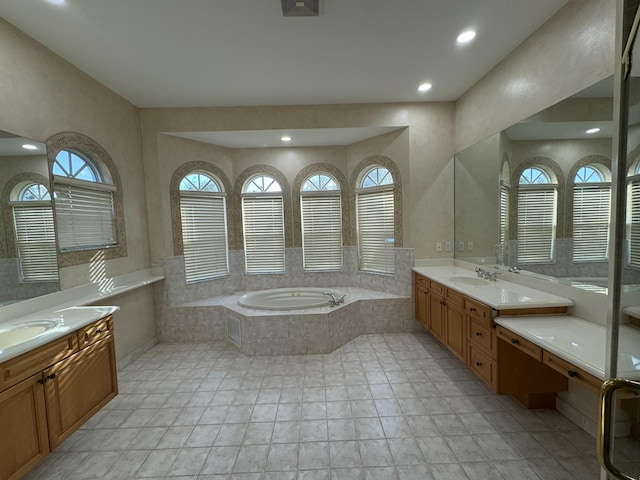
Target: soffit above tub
170	53
311	137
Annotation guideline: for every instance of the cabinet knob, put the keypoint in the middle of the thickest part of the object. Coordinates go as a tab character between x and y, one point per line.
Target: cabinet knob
478	364
514	341
572	374
99	330
478	334
52	376
42	380
472	309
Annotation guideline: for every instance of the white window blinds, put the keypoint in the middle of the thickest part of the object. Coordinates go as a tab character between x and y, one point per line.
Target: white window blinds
204	236
536	224
376	240
36	242
504	214
85	216
633	223
591	209
321	232
263	228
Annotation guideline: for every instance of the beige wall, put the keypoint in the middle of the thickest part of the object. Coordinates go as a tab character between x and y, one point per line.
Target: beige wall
43	94
570	52
422	152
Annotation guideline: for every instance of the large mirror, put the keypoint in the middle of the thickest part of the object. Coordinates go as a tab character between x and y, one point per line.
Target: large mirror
28	258
538	195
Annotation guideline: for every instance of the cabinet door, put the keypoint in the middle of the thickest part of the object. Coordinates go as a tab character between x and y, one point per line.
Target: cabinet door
436	316
422	306
455	331
79	386
23	428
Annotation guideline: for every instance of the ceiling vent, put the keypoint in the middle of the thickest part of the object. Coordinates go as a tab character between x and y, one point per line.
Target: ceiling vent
300	8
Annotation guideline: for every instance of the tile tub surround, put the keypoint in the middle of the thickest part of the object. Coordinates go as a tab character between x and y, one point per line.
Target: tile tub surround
281	332
380	407
176	324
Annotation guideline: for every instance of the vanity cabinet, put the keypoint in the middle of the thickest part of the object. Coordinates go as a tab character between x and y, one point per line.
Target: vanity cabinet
48	393
440	310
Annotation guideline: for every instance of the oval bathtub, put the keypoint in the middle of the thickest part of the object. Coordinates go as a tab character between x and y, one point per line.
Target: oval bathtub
287	298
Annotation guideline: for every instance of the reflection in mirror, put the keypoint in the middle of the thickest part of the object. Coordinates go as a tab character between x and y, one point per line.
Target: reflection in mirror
538	194
28	259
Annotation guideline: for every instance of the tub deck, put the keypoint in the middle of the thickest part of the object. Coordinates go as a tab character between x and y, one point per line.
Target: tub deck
299	331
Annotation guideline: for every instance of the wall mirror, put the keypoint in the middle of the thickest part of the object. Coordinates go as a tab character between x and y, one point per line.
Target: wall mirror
28	258
538	194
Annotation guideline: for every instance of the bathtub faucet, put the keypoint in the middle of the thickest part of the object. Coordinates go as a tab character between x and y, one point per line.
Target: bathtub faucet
335	300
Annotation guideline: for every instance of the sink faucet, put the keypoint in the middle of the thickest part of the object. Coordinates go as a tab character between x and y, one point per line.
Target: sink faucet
514	269
335	300
486	275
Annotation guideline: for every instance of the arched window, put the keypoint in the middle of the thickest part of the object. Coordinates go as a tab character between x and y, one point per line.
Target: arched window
35	233
263	225
376	220
537	217
83	195
321	220
591	211
204	227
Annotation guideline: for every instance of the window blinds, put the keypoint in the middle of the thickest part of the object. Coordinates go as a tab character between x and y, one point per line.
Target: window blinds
321	232
204	236
376	240
504	214
84	216
633	223
263	228
536	224
36	242
591	209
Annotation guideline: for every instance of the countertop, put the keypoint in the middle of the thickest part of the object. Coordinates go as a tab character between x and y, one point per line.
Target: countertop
578	341
67	320
499	295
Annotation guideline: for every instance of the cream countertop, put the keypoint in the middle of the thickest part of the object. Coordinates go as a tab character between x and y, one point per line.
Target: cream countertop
499	295
578	341
66	320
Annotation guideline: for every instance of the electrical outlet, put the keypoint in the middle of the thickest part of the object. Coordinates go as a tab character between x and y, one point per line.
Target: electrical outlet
469	246
447	247
461	246
438	247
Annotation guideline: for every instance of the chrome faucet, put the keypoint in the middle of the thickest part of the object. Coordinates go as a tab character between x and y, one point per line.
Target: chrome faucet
486	275
514	269
335	300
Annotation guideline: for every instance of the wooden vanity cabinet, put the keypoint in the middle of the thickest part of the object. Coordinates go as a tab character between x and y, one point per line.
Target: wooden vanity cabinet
440	310
48	393
23	428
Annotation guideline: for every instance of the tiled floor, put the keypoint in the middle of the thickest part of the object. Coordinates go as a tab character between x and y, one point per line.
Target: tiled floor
381	407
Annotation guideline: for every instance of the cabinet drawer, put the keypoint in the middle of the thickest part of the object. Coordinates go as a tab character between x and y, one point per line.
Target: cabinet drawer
571	371
454	297
483	365
478	311
95	331
520	343
34	361
435	287
422	280
483	337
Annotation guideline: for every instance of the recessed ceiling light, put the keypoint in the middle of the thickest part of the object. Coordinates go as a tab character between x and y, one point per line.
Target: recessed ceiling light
425	87
592	130
466	37
56	2
286	138
28	146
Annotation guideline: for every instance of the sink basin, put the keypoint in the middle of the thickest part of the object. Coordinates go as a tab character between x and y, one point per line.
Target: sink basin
11	335
474	281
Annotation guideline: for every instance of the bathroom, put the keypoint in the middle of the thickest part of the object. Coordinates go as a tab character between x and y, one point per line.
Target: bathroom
147	146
